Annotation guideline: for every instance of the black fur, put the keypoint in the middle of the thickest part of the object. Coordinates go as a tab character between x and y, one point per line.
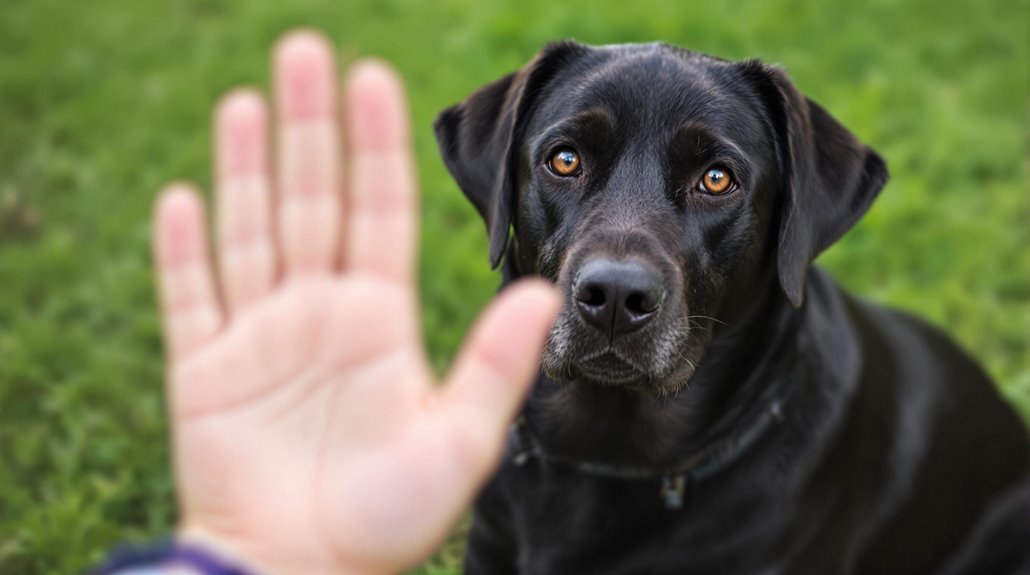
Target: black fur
892	452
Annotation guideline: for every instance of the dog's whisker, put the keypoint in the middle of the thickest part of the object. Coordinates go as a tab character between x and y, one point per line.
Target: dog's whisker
706	317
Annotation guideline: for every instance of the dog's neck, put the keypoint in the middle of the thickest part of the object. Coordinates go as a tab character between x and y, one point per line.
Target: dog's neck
728	392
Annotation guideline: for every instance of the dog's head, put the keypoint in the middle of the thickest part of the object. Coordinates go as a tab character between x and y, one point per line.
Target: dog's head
662	190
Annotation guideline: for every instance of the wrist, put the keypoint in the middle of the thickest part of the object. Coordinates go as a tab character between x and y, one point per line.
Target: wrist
170	557
198	537
261	558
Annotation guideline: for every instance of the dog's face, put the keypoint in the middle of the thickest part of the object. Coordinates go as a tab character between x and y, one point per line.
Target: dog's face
663	191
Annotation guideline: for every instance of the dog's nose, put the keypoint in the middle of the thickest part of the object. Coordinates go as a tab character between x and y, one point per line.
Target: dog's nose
617	297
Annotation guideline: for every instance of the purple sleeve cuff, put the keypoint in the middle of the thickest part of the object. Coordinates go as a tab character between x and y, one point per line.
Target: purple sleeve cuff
169	553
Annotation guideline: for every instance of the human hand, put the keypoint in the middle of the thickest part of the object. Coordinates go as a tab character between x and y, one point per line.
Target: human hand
309	435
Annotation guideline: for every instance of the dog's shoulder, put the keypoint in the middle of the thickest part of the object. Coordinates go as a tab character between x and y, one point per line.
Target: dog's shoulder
957	448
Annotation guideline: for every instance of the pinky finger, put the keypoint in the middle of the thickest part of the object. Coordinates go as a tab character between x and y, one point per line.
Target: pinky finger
189	304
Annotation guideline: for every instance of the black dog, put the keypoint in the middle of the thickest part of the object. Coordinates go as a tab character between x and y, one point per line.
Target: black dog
710	404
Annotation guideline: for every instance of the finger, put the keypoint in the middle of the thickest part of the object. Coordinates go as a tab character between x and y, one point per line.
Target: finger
189	302
382	225
496	368
246	256
309	153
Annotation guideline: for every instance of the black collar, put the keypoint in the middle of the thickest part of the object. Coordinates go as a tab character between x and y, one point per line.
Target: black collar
697	467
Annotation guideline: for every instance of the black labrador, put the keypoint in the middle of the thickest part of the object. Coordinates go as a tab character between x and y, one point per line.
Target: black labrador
709	403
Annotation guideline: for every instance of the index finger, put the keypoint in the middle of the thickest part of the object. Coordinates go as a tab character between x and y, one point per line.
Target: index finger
381	223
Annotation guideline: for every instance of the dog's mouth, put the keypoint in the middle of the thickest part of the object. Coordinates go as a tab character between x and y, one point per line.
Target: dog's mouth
607	368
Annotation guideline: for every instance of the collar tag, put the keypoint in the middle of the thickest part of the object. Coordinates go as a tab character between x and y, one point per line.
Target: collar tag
672	490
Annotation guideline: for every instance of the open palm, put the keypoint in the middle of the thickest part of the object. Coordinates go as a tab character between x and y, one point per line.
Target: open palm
309	435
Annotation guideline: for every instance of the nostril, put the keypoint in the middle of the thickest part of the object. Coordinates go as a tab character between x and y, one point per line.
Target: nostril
641	303
595	297
591	295
634	302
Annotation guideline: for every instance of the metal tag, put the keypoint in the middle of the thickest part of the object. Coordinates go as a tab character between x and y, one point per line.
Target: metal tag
673	487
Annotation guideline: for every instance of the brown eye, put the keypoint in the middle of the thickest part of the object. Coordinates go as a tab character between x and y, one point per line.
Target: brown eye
717	181
564	162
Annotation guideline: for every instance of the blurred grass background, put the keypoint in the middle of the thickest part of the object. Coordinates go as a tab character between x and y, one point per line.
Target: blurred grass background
102	101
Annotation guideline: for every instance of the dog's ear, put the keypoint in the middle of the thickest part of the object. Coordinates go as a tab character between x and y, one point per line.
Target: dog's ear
479	138
829	177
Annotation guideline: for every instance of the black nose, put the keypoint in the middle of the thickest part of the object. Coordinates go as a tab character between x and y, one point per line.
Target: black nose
617	297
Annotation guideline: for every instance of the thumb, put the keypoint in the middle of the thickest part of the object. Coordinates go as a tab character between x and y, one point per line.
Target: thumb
495	368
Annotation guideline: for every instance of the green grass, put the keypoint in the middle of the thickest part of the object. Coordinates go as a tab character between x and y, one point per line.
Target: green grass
102	101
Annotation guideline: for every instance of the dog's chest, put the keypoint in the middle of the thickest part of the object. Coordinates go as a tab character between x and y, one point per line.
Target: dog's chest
571	522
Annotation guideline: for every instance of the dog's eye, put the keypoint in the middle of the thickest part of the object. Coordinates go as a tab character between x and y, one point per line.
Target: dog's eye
564	162
717	180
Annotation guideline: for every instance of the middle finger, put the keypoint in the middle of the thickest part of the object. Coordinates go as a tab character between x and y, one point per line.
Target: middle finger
308	155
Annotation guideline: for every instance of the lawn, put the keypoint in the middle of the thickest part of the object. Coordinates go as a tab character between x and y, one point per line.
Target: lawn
102	101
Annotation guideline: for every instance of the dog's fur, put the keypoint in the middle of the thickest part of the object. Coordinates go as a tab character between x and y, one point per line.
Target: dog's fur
891	451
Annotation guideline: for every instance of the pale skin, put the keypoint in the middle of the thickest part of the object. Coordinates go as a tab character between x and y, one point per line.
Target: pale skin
309	433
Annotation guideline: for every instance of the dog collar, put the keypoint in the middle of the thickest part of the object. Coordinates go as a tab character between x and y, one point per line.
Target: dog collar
674	480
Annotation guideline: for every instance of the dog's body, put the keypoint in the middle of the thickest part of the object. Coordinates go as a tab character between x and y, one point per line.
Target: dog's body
692	419
892	456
